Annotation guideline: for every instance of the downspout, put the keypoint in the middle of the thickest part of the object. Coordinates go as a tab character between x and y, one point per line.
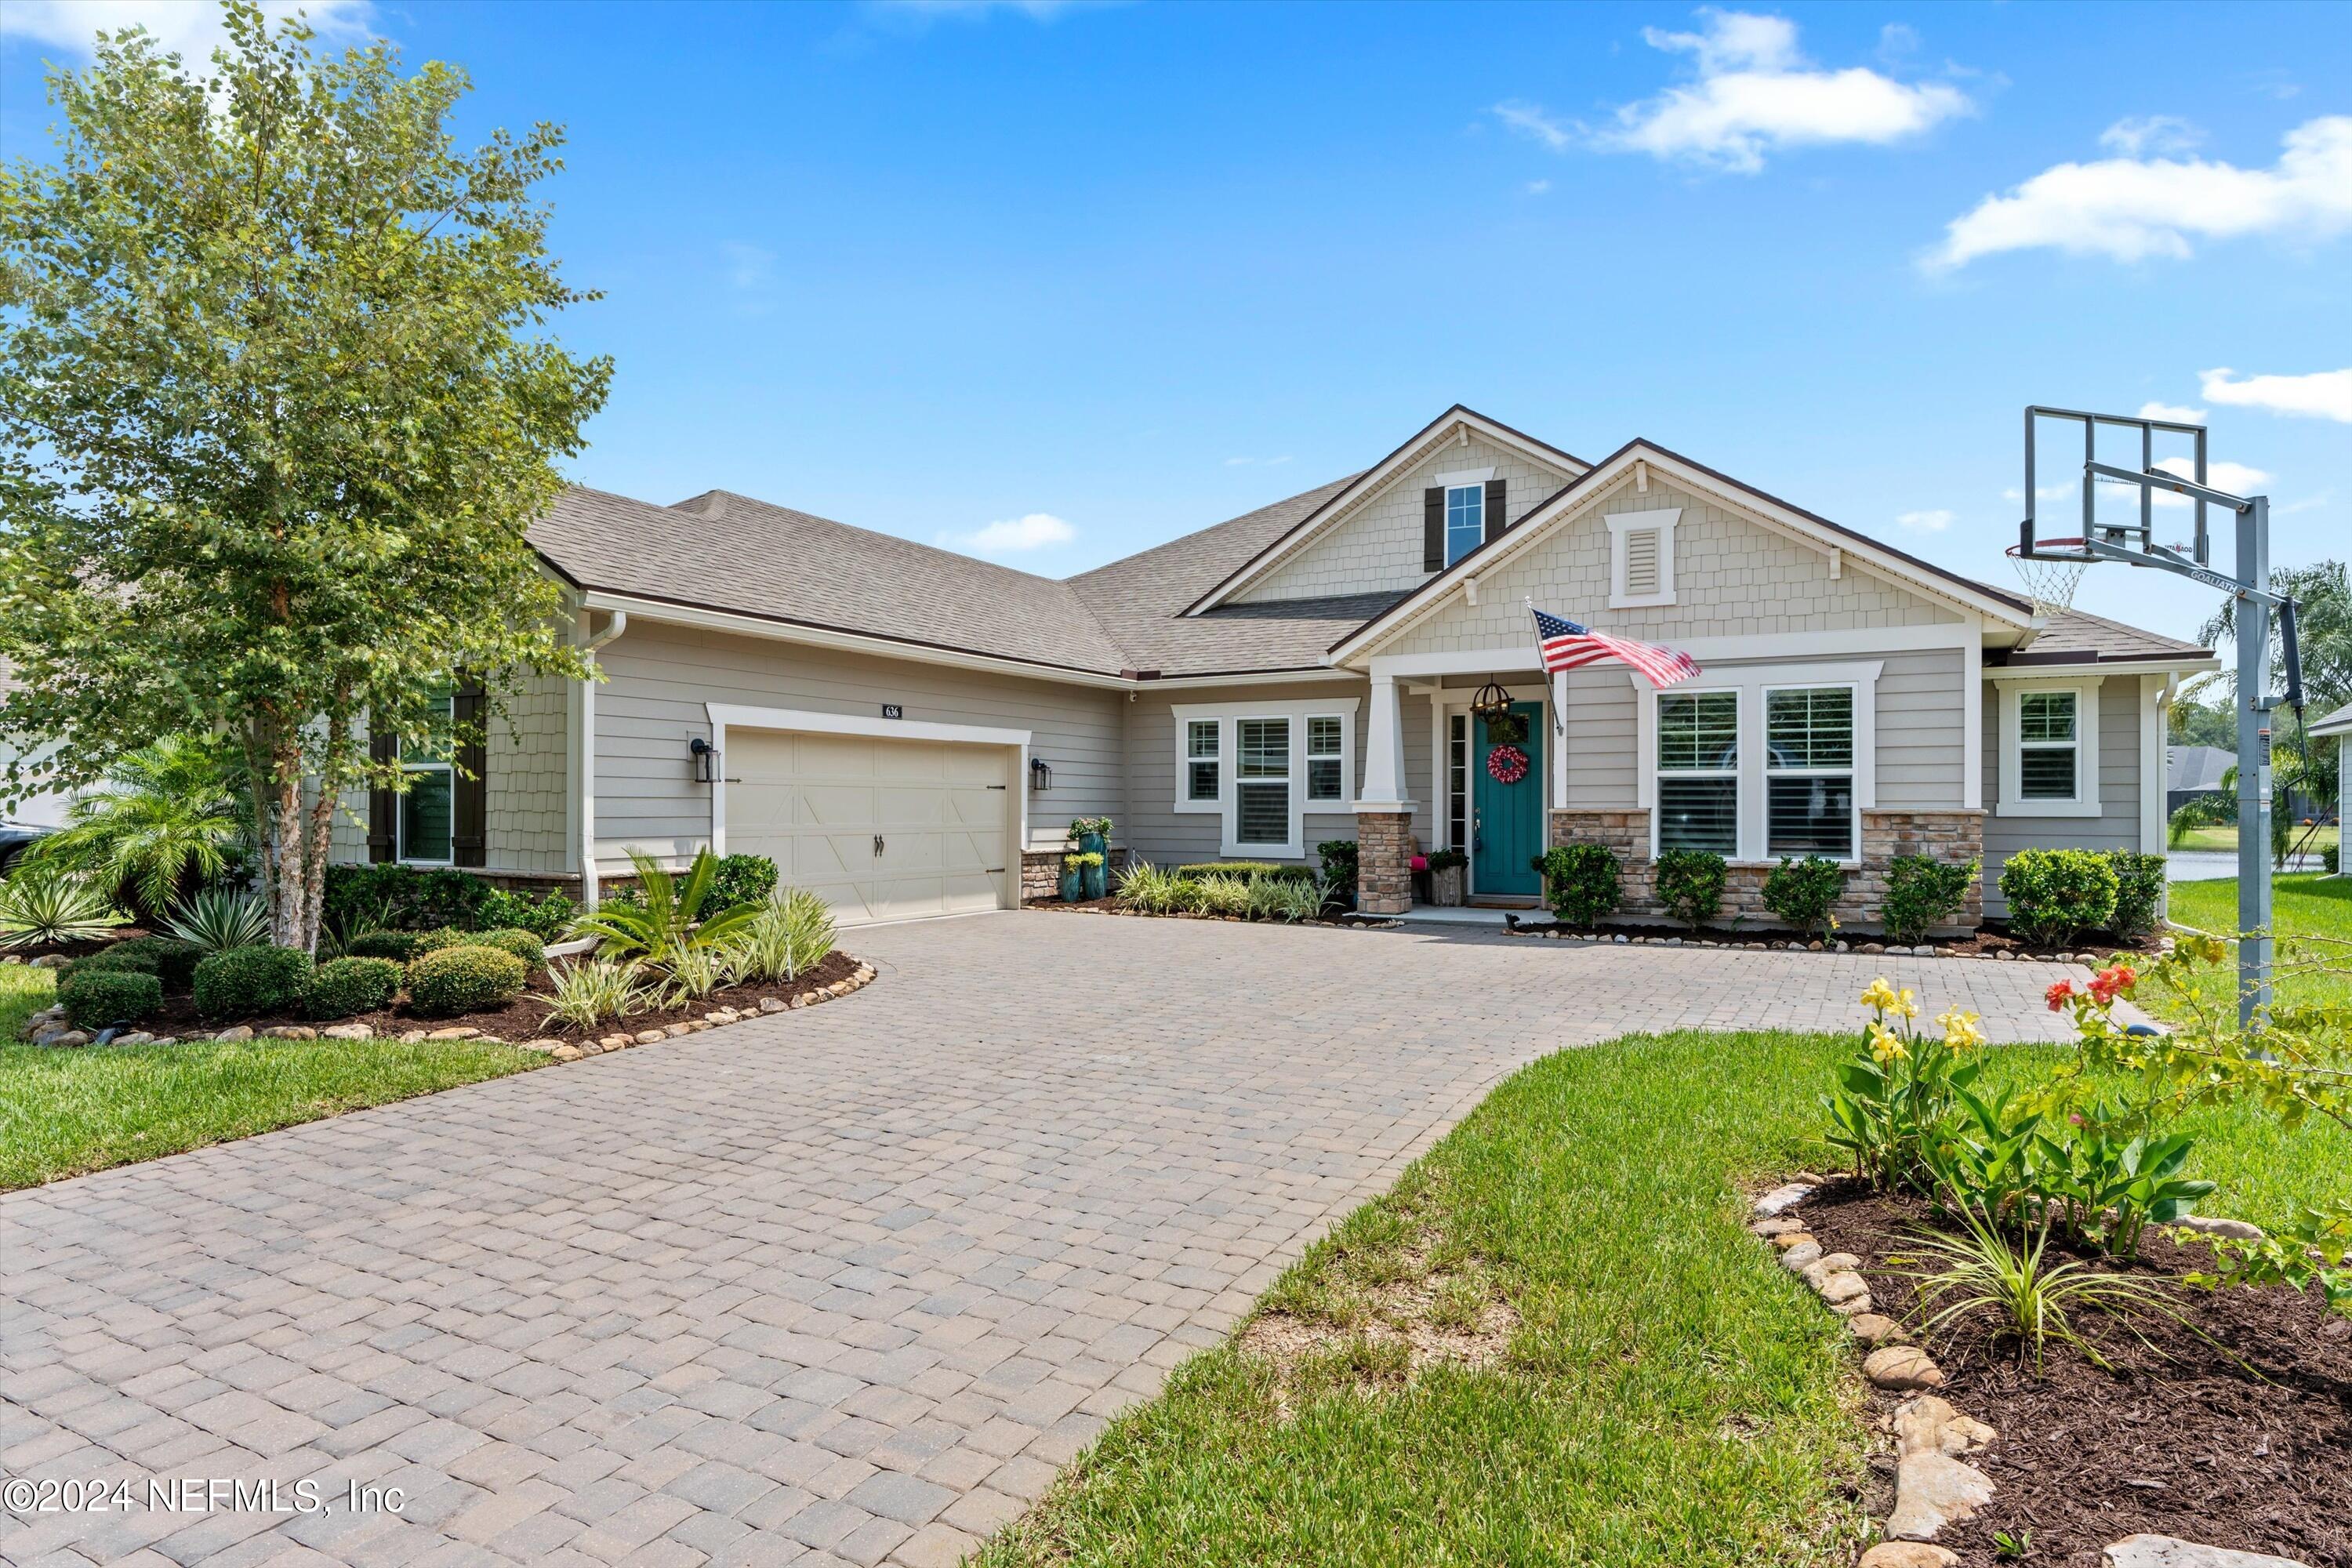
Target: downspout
590	882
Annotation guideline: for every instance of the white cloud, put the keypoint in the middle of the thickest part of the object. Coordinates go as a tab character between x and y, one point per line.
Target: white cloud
1529	119
1038	530
1756	93
1538	187
2150	134
1933	521
2131	208
2236	478
2323	395
2172	412
190	28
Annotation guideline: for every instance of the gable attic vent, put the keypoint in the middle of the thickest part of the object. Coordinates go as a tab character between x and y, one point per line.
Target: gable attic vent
1640	563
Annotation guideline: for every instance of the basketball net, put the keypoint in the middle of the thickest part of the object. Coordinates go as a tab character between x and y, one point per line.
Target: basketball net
2050	581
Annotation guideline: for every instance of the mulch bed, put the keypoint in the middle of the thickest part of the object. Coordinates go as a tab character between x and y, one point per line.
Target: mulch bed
2244	1443
523	1018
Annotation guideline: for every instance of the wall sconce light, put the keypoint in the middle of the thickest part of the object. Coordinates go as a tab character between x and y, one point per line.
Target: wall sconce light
705	760
1041	777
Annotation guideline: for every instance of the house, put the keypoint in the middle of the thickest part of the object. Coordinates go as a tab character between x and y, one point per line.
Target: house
2338	726
909	730
2191	773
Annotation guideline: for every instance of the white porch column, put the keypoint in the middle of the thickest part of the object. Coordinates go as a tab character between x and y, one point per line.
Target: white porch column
1384	752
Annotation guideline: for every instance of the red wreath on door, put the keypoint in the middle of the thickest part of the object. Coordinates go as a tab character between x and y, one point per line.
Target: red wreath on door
1507	764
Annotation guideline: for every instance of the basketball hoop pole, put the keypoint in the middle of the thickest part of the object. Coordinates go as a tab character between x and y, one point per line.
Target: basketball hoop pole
2253	620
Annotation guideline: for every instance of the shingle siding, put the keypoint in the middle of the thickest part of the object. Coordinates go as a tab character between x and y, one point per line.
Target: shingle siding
1375	545
526	788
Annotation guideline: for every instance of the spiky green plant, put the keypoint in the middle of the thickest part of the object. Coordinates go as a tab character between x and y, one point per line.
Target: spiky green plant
220	919
1147	890
1288	898
791	933
43	905
590	991
1224	896
2032	1297
668	917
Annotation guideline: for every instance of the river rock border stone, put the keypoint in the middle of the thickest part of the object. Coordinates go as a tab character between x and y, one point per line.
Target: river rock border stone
47	1027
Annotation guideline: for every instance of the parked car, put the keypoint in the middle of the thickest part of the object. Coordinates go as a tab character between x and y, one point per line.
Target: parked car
15	838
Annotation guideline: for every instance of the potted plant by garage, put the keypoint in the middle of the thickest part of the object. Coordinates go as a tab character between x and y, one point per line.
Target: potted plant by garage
1072	878
1091	835
1092	879
1445	877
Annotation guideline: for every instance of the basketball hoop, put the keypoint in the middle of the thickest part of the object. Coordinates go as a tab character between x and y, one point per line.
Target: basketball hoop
2050	580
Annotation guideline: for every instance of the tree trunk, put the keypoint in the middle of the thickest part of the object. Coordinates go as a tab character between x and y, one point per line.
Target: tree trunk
286	920
322	822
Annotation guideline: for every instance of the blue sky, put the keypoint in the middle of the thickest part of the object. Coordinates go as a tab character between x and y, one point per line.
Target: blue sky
1132	270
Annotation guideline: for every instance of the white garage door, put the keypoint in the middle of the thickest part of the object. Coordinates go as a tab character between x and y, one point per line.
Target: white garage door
882	830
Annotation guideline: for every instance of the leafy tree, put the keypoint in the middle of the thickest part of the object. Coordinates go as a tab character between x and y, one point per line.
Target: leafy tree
163	817
2195	723
2323	603
276	405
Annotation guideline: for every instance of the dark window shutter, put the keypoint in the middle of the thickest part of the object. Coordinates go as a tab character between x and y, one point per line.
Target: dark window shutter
1494	508
470	840
1432	528
384	805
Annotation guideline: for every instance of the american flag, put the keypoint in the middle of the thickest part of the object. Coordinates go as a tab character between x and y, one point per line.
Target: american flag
1565	645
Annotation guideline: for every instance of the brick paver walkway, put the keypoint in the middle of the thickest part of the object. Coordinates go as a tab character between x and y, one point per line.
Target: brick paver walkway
842	1285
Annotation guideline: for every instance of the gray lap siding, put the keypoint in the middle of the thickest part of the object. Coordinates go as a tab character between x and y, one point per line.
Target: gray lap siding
2117	825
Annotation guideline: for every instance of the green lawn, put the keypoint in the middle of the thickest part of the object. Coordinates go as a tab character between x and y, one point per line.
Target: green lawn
2227	838
2307	904
1671	1397
63	1112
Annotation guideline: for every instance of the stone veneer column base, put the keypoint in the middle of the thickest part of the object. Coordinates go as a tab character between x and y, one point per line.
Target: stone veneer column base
1947	835
1384	862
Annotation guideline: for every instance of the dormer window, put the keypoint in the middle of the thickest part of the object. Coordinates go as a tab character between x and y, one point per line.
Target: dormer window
1641	558
1465	520
1459	511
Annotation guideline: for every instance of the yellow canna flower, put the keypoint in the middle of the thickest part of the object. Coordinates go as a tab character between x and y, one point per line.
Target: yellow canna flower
1907	1004
1960	1031
1879	995
1886	1044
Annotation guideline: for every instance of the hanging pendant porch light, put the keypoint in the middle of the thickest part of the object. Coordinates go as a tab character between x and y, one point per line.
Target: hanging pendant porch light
1490	701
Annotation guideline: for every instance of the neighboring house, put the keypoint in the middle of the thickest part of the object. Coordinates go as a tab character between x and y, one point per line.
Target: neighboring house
37	811
908	731
2338	724
2191	773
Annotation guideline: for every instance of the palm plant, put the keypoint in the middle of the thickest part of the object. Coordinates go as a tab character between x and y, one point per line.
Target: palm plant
791	932
590	991
667	918
165	816
44	905
220	919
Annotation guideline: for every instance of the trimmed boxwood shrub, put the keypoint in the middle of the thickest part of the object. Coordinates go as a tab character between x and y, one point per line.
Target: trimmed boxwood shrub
1690	885
399	946
1245	869
1922	892
93	998
346	988
249	980
1341	859
112	958
523	944
739	879
174	961
545	917
406	898
2056	895
453	980
1805	892
1581	880
2139	889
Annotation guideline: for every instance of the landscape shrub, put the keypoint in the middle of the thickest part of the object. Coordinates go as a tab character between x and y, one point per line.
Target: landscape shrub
1922	893
1224	895
399	946
1583	882
406	898
453	980
1690	885
41	906
741	879
1805	892
2331	859
114	958
2055	895
667	914
220	919
1245	869
94	998
174	961
1340	860
792	932
2139	890
521	944
545	917
245	981
346	988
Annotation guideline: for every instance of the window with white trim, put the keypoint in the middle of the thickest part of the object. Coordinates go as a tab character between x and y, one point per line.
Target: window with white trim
1465	520
1809	771
1458	780
1327	767
1201	760
1698	771
2048	745
1262	781
426	820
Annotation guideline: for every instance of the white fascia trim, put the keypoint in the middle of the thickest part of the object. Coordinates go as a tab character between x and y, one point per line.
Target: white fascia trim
1778	646
1751	684
1621	523
1371	482
856	642
724	716
2088	743
1859	552
1223	714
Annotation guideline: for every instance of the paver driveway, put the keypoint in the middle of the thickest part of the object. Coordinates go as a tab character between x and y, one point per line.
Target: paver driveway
843	1284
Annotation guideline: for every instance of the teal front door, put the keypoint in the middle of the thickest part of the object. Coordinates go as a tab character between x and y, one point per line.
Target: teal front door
1507	819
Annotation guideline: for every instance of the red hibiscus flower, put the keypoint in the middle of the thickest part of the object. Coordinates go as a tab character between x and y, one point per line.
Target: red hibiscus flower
2057	994
2110	983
